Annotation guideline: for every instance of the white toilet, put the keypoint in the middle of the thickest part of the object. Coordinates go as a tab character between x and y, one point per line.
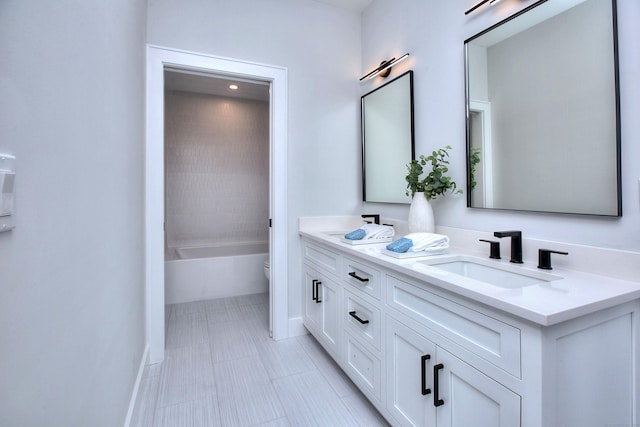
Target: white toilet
266	269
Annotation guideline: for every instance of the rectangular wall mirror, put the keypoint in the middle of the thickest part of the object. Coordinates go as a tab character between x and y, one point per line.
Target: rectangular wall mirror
543	127
387	140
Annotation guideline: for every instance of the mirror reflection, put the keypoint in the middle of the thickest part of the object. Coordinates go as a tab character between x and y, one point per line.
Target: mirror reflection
543	111
387	140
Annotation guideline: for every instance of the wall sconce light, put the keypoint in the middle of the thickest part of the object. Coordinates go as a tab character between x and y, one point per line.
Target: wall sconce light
480	4
385	67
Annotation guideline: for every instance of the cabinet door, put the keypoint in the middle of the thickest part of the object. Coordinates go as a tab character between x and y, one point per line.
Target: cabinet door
409	365
312	309
470	398
321	302
328	298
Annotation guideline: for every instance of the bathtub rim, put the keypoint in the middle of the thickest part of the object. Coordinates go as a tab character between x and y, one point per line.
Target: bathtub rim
173	253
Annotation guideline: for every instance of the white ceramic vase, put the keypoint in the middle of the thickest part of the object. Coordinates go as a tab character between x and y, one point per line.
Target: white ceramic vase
421	215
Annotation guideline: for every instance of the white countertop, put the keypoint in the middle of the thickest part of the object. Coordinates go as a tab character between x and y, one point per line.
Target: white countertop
575	294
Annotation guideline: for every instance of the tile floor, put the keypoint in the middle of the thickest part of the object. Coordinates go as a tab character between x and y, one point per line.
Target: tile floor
222	369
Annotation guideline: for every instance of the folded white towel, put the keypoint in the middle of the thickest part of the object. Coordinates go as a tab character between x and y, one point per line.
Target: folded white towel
422	241
377	231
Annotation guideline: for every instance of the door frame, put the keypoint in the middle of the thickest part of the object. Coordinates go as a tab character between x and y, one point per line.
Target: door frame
159	58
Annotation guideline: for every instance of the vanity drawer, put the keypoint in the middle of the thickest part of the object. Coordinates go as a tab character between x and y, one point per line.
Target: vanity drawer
361	277
328	260
362	319
364	368
488	338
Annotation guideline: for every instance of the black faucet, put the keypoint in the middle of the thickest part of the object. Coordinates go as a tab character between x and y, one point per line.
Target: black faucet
516	244
544	258
495	248
376	217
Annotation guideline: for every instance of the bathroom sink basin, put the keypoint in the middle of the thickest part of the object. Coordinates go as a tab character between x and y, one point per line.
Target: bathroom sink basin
491	272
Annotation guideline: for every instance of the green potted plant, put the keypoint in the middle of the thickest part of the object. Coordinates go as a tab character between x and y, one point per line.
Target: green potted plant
435	183
474	159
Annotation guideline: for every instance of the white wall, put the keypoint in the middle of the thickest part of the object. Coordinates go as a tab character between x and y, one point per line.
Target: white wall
71	273
434	33
320	46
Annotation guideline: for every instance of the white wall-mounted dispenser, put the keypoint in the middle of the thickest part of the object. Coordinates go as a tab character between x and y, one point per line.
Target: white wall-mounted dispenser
7	192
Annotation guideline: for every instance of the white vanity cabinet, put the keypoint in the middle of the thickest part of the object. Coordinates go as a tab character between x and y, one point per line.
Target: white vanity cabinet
322	299
431	387
426	356
362	322
322	296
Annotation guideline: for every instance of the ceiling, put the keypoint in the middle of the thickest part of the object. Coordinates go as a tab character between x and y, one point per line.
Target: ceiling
217	85
357	5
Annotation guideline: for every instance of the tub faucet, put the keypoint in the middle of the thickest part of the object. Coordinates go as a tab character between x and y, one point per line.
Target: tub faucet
516	244
376	217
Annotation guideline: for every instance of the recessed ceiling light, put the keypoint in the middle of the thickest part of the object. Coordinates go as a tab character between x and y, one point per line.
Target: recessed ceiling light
233	87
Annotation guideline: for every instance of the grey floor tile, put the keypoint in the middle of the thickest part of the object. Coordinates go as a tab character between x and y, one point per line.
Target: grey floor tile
224	314
254	382
188	308
309	400
283	358
187	329
152	370
187	374
280	422
214	304
245	393
257	328
255	311
334	375
230	340
143	415
363	411
195	413
252	299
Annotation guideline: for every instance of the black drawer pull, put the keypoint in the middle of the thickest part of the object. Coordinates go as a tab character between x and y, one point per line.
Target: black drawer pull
318	282
423	373
355	276
436	390
355	316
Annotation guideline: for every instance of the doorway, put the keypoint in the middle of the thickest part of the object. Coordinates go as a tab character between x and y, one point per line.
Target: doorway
158	61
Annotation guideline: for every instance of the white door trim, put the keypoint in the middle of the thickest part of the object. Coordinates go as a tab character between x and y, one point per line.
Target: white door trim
157	59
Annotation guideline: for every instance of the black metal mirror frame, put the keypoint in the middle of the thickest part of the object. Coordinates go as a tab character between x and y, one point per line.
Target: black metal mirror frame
363	132
617	112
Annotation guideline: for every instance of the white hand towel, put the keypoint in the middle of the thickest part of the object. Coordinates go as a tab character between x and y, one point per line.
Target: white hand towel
422	241
377	231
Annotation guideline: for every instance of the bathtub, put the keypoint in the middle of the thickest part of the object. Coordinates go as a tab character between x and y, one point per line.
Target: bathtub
208	272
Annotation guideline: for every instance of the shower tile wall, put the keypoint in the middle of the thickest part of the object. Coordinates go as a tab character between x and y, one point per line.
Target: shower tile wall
216	169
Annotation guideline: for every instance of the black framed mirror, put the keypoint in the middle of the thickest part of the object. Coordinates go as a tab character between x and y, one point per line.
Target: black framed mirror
543	115
388	143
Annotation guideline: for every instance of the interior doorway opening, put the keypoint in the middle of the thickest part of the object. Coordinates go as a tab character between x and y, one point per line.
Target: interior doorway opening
214	71
216	145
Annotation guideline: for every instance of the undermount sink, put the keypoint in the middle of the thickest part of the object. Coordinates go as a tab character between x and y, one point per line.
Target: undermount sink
491	272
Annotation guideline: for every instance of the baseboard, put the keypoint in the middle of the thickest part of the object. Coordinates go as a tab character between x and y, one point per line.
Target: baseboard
136	387
296	327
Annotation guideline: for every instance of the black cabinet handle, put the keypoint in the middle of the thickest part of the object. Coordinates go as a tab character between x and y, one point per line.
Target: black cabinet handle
313	289
318	282
355	316
423	373
355	276
436	390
